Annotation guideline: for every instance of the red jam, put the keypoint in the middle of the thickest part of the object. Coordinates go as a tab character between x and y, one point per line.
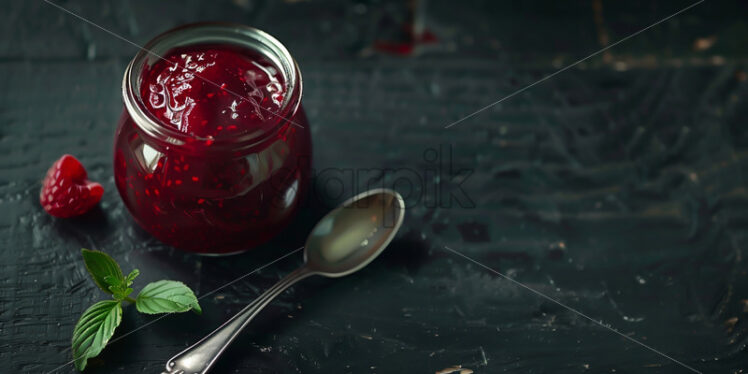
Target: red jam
234	90
204	193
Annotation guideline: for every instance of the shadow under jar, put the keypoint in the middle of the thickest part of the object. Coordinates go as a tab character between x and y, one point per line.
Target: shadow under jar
213	151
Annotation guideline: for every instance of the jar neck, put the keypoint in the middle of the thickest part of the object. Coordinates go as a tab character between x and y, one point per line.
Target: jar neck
163	134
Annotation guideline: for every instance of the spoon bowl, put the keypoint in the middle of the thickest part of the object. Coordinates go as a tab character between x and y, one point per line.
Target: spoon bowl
355	233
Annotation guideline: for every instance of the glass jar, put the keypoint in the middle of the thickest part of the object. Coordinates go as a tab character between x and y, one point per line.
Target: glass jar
207	194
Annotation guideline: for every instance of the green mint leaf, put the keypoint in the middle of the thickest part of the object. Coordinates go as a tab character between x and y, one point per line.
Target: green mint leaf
166	296
120	291
94	329
112	281
131	277
101	266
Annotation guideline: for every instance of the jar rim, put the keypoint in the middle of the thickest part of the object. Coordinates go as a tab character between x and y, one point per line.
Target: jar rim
205	33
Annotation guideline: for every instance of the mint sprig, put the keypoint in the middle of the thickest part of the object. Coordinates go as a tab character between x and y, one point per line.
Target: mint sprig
166	296
97	324
94	329
100	266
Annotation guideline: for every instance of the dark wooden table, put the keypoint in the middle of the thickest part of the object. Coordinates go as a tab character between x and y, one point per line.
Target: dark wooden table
617	187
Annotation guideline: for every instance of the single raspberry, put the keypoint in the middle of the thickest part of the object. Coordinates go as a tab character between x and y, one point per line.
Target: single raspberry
65	190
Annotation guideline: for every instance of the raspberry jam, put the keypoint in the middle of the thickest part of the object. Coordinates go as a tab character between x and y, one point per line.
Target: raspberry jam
212	152
234	90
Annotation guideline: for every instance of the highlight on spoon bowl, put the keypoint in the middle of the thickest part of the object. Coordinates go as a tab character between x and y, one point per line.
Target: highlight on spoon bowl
351	236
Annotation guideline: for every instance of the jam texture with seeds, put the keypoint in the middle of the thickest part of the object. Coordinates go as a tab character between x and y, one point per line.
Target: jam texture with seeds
213	91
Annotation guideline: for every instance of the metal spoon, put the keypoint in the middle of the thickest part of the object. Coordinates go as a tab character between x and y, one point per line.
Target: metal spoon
344	241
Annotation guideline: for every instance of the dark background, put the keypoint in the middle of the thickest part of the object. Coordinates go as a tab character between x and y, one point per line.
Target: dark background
617	187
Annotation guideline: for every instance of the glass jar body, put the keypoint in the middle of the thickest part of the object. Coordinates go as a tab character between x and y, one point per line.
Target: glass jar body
213	204
213	194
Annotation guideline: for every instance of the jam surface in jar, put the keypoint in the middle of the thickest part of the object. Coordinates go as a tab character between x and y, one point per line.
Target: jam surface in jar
213	91
201	195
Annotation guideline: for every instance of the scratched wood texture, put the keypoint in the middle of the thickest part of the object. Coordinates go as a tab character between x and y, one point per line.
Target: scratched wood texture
617	187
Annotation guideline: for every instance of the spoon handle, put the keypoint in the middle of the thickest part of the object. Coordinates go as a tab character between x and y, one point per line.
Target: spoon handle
201	356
